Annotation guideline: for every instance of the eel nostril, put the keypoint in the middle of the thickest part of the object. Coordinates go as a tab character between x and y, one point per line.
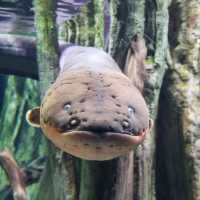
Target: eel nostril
74	122
125	124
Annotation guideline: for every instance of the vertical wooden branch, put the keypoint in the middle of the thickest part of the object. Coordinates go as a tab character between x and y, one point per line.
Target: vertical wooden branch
15	175
58	176
146	153
47	45
178	169
127	19
123	27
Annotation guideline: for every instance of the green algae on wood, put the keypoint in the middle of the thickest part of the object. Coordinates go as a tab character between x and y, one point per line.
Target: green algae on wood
182	94
47	54
25	142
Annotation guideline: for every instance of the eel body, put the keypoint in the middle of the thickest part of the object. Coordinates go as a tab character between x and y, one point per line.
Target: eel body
93	110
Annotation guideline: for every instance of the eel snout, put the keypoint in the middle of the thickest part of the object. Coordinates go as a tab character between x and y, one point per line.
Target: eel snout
92	145
96	139
99	126
107	146
97	116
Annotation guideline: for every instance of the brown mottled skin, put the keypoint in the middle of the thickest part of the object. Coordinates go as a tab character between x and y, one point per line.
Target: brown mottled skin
92	110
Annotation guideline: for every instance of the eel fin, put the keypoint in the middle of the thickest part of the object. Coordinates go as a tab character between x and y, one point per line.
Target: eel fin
33	117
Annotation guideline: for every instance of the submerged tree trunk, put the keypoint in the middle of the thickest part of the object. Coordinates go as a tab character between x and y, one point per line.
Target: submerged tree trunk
55	182
178	120
47	54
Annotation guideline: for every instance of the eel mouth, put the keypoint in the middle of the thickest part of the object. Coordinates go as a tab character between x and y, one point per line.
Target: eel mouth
125	138
105	146
92	145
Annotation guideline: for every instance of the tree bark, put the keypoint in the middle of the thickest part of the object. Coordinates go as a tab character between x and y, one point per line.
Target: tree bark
178	169
58	176
156	33
15	175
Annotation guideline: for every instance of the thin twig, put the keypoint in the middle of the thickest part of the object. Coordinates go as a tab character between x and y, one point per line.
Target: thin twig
15	175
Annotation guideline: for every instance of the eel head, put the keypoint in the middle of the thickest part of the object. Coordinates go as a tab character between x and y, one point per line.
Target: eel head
94	116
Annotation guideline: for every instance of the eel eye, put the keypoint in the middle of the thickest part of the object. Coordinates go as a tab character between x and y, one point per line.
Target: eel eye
131	110
67	107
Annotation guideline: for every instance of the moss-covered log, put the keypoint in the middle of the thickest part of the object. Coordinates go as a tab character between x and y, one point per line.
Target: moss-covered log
178	119
55	183
156	34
